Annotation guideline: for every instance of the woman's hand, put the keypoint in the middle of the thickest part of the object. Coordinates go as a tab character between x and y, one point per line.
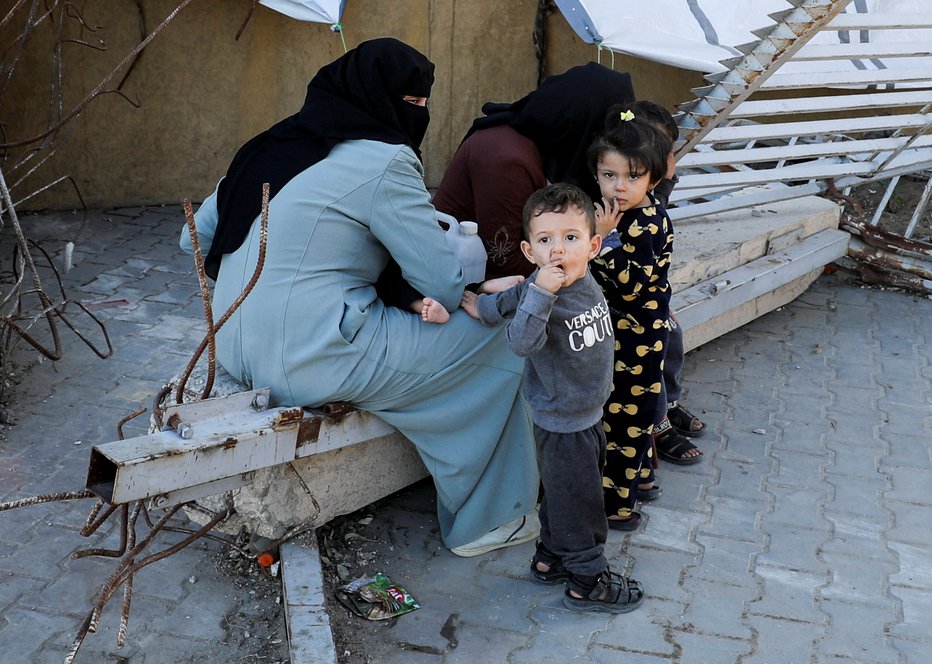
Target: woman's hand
607	216
500	284
469	304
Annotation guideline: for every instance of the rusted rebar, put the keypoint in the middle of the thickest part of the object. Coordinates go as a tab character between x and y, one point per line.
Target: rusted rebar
212	330
127	568
136	413
157	411
99	88
50	311
46	498
95	510
27	260
205	298
91	527
109	553
128	585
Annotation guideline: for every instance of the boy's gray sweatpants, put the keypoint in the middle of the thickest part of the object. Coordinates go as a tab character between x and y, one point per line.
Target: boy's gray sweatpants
673	365
573	526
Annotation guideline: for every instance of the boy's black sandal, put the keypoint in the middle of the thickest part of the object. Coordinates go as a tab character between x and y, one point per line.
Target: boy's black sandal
556	574
672	446
606	593
685	422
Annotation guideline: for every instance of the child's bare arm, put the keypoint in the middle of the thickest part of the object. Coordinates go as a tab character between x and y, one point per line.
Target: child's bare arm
500	284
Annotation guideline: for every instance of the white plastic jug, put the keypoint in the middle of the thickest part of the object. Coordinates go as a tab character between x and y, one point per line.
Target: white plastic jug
463	238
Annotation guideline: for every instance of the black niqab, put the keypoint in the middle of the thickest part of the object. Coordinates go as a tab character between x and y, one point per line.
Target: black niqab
562	117
357	96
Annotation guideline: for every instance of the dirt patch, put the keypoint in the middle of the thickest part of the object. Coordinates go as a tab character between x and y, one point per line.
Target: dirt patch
256	625
345	555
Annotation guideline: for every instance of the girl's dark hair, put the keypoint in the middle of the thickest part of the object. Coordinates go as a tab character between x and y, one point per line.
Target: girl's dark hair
653	114
558	198
639	142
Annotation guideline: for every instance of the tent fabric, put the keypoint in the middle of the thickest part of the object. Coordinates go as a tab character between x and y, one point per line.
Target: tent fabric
314	11
698	34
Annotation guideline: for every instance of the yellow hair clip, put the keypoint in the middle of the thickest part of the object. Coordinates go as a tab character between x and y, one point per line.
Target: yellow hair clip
627	116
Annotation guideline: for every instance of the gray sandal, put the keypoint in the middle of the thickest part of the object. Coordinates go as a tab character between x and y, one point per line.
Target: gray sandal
610	593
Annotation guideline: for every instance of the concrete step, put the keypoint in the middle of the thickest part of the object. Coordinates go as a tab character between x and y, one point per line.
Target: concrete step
731	268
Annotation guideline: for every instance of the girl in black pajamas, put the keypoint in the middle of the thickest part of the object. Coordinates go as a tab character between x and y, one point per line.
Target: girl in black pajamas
629	159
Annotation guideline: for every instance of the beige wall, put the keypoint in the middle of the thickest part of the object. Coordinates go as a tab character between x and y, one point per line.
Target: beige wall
202	93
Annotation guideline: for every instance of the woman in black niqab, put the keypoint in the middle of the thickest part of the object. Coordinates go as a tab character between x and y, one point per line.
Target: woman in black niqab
561	117
358	96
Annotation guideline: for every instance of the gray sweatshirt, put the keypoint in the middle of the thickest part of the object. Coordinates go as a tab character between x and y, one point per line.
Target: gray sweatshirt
568	342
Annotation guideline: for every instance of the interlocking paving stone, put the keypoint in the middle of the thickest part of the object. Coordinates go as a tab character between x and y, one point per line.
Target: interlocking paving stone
782	641
806	543
787	594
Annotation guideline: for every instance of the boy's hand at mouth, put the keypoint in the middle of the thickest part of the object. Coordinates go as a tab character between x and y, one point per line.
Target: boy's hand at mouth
551	276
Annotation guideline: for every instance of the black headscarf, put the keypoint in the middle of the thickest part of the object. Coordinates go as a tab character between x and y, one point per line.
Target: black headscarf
357	96
562	117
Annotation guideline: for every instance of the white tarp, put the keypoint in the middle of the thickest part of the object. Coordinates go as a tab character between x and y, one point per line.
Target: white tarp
322	11
697	34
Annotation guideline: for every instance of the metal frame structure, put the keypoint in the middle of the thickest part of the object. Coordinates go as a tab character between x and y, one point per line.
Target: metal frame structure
757	133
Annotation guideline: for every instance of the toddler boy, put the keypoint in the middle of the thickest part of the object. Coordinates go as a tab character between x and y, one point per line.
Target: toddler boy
560	323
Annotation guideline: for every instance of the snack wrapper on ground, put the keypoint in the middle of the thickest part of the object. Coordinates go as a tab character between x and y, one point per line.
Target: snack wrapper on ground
376	598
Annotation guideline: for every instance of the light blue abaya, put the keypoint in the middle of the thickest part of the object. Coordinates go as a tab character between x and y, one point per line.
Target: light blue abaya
314	331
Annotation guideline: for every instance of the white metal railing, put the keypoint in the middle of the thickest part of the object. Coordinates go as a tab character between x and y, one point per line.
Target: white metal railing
803	109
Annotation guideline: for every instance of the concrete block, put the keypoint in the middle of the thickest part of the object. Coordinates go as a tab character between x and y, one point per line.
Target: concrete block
911	486
913	524
859	537
480	645
673	530
796	507
734	518
788	595
553	644
858	580
657	570
726	561
709	248
856	632
703	648
794	548
309	636
711	245
782	641
605	655
915	566
797	468
25	632
917	607
638	636
856	496
714	327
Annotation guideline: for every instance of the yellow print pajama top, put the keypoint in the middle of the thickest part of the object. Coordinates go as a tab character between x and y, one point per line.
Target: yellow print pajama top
632	271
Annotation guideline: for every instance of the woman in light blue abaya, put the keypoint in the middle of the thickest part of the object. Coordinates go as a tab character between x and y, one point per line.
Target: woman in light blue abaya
348	196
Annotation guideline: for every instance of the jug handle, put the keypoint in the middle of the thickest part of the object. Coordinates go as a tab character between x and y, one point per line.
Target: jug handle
448	220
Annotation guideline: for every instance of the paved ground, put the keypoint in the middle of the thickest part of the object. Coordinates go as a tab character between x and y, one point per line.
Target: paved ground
804	537
191	607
